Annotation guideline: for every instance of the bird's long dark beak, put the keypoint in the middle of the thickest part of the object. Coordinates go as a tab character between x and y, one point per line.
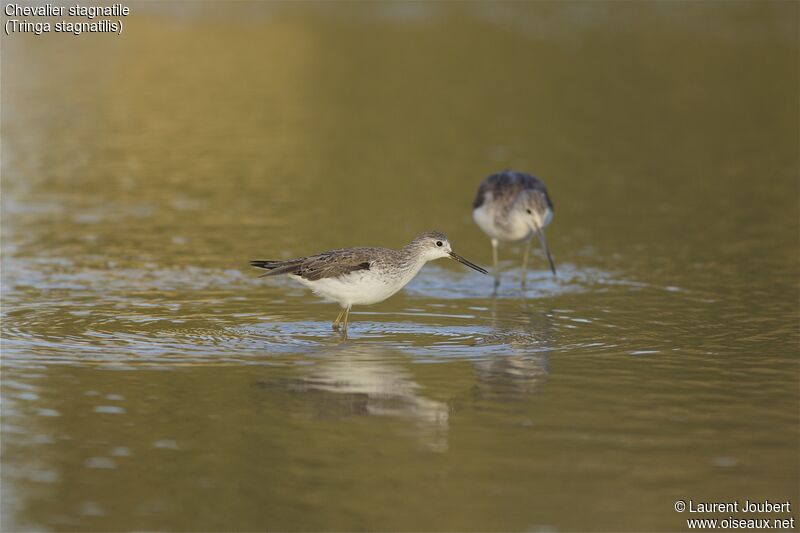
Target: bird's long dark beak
463	261
546	250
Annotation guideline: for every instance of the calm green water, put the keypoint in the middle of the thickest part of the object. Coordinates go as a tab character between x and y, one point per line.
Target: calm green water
152	382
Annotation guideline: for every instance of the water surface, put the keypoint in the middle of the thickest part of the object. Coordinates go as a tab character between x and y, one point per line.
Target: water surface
151	381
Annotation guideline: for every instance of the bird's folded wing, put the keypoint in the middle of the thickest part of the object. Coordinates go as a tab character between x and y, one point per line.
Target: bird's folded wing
334	264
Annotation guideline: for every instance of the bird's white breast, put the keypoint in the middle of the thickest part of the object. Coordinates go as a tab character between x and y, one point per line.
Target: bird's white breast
510	228
484	219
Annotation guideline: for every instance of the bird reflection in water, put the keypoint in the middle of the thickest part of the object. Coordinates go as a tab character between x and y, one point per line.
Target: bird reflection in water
358	381
525	367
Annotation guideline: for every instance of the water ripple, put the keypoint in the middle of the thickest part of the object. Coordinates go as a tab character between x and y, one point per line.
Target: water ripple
203	315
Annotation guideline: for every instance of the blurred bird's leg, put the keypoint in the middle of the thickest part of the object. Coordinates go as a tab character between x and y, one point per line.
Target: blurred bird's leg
496	264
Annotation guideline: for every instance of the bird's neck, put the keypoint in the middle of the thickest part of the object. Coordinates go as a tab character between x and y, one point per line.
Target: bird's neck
412	259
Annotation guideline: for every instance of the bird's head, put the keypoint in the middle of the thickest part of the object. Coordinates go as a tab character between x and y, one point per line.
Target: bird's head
434	245
534	207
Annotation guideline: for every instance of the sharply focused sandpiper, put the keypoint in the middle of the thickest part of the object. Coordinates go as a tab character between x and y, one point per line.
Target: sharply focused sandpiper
512	206
363	276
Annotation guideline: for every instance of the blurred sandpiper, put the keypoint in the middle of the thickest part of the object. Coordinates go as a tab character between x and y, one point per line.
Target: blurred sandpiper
363	276
510	207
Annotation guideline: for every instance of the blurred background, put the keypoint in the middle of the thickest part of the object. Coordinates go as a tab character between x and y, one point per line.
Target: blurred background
150	381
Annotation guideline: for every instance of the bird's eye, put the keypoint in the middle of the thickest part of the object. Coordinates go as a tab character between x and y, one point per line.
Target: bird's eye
529	211
438	243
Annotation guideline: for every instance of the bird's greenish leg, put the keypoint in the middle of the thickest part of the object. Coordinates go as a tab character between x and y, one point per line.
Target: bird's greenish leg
344	324
335	325
496	262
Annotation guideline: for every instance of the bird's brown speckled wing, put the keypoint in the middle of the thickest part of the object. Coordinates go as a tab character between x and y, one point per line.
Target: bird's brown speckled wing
331	264
335	263
481	196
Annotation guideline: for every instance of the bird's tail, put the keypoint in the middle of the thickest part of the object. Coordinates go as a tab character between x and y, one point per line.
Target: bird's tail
276	268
